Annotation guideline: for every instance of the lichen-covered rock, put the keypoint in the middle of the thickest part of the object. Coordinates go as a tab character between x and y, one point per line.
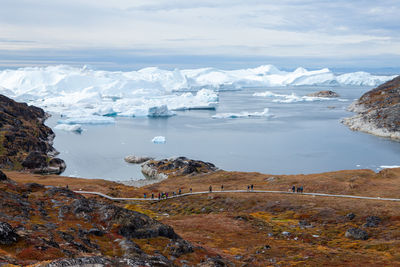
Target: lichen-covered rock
56	223
372	221
179	247
378	111
356	233
7	234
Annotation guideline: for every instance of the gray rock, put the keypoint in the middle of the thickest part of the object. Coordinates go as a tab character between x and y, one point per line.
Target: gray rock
7	234
179	247
350	216
3	177
136	159
372	221
356	233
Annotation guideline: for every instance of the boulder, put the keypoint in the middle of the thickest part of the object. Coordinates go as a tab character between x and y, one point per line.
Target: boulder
179	247
326	93
356	233
7	234
57	165
350	216
3	177
372	221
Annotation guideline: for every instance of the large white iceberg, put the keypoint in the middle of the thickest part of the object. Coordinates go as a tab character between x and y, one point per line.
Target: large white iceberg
84	92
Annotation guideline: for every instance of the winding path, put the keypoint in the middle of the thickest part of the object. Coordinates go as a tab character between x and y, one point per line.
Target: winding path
235	191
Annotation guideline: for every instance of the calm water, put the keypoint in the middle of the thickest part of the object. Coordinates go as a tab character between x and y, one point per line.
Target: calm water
302	137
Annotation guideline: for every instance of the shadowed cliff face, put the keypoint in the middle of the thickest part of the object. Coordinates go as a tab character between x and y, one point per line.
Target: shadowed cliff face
25	142
378	111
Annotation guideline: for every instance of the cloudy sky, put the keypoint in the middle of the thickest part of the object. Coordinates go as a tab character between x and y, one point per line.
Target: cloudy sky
290	33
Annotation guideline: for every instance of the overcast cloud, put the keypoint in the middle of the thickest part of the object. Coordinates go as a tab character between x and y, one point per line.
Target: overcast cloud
226	28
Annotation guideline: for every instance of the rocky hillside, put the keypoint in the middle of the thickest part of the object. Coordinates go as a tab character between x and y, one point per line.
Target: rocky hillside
378	111
25	142
53	226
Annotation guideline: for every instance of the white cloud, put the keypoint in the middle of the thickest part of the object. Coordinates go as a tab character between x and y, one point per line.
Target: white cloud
252	27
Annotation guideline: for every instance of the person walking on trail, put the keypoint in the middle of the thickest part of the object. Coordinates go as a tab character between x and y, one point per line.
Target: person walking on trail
301	189
152	195
159	195
293	189
248	188
190	190
144	195
166	195
180	191
210	189
222	187
252	187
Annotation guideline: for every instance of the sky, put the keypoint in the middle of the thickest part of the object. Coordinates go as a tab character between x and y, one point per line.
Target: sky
192	33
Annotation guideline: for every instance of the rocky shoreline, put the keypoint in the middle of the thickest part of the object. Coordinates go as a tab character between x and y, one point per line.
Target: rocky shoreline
378	111
26	143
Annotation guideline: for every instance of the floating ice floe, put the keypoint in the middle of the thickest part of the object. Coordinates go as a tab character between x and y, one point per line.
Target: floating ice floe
84	92
159	140
69	128
389	167
243	114
87	120
292	98
160	111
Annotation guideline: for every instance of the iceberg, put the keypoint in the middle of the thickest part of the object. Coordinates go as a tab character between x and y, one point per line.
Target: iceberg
243	114
77	128
87	120
85	92
292	98
389	167
158	140
160	111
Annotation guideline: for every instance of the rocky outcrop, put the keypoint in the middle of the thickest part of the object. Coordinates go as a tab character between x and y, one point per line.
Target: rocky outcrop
378	111
326	93
99	261
137	160
180	166
66	229
356	233
25	142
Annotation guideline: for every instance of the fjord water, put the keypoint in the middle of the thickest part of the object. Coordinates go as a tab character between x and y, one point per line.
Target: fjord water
298	137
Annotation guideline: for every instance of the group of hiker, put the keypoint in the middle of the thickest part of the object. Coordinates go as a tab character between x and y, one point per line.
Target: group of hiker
164	195
299	189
